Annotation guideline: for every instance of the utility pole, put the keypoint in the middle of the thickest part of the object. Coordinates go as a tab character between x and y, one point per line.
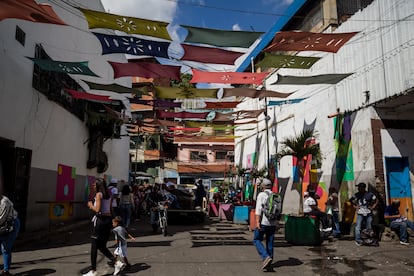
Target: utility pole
267	118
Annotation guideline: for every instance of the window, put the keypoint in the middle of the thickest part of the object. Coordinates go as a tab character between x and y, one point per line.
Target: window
20	35
51	84
198	156
193	155
221	155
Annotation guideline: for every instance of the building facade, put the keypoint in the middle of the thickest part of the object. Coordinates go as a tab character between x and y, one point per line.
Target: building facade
50	150
375	103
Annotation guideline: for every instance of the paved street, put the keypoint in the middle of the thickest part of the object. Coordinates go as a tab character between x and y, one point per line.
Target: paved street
211	248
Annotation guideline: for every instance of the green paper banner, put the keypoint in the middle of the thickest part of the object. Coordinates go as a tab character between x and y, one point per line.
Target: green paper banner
285	61
75	68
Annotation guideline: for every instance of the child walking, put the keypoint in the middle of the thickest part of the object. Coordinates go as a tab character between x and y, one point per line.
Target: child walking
121	236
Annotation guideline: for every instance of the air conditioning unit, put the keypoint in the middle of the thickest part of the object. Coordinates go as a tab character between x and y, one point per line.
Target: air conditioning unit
133	156
230	153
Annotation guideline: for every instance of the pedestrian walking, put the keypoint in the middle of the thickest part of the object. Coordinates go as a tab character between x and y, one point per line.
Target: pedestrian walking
265	228
200	193
102	224
139	199
121	236
114	193
126	203
9	228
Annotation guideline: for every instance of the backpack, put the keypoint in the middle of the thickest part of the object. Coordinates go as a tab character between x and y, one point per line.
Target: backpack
272	209
368	237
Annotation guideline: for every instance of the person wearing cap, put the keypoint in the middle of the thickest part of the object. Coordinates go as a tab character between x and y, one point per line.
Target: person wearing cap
364	202
265	228
310	208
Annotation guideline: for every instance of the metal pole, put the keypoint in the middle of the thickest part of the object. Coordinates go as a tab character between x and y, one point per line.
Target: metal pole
267	133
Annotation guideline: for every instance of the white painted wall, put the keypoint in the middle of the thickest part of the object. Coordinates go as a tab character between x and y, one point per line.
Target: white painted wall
33	122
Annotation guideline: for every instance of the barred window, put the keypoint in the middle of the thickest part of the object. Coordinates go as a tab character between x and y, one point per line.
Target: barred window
51	84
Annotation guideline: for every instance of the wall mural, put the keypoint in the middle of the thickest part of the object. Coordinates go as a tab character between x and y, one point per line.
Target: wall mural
65	185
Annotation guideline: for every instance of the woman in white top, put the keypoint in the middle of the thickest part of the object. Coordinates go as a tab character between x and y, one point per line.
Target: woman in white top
102	224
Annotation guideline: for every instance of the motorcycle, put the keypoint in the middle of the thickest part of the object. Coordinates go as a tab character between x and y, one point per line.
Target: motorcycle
162	207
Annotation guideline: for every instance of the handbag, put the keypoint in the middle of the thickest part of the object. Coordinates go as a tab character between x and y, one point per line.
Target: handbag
6	228
329	210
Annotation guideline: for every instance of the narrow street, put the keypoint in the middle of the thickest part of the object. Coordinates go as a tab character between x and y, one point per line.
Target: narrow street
210	248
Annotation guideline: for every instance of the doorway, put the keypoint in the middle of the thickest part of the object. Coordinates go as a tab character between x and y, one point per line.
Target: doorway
398	183
16	164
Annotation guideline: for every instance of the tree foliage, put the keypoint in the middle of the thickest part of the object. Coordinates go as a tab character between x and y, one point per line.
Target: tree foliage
300	147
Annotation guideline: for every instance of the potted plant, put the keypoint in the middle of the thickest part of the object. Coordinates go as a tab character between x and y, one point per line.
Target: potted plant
301	230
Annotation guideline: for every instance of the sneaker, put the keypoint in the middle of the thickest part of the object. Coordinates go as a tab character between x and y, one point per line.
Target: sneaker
358	243
404	243
327	229
269	269
118	267
91	273
266	262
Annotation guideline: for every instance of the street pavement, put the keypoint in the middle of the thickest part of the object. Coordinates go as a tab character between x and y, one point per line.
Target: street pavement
211	248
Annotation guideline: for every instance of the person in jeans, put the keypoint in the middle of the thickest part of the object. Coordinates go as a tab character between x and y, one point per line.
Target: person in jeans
265	228
8	213
126	203
364	202
332	207
398	222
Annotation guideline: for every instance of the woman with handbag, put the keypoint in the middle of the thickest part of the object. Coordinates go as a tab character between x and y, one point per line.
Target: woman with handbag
11	225
102	225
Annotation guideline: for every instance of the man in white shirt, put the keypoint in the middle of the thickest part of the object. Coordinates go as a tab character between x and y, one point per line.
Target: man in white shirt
310	207
264	227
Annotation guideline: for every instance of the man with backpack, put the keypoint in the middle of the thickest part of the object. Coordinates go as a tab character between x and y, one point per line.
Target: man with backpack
265	226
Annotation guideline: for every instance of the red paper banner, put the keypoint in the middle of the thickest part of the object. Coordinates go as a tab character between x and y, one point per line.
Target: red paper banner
29	10
227	77
86	96
308	41
209	55
221	105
